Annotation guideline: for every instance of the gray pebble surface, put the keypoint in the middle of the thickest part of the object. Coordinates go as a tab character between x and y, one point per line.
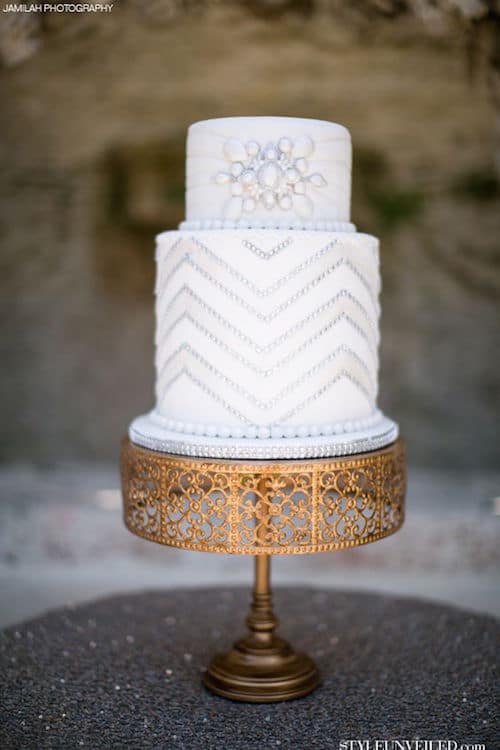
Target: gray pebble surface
125	672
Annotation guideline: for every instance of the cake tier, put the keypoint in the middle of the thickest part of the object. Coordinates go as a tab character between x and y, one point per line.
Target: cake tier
268	172
267	335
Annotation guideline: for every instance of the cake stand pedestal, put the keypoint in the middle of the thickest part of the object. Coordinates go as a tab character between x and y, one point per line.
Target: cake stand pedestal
263	508
262	667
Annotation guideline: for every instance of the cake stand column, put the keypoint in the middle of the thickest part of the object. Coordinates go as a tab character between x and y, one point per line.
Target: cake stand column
262	667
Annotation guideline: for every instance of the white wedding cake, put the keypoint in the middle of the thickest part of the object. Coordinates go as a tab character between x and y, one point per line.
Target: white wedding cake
266	300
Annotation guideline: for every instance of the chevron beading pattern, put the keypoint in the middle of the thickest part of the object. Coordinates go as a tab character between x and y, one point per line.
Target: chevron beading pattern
259	314
263	335
185	351
187	259
263	371
162	336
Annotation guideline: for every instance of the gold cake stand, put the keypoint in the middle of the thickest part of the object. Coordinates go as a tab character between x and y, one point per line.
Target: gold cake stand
263	508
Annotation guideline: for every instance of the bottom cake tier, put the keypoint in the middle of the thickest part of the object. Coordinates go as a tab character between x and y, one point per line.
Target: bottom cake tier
153	431
266	335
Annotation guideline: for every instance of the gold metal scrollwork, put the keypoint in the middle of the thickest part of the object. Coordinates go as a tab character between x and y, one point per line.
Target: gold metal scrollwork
263	507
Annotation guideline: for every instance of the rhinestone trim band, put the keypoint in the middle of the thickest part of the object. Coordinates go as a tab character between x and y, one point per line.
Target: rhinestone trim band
144	432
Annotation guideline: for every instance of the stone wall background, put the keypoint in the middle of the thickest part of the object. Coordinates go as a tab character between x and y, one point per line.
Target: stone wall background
93	117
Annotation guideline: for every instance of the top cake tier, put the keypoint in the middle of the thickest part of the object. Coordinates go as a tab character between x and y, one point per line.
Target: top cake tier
268	172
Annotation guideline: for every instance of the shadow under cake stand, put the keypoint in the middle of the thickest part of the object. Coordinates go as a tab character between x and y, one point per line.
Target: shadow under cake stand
263	508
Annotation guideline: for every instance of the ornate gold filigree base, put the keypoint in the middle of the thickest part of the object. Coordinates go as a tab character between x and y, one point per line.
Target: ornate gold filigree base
263	508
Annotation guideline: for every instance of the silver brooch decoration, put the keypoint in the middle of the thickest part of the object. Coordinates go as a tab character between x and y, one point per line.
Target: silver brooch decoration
273	175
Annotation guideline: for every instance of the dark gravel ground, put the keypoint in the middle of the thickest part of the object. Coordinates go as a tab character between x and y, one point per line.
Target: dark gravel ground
124	672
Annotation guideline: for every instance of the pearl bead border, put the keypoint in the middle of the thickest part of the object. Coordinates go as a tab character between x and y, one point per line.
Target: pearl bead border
264	432
143	431
283	224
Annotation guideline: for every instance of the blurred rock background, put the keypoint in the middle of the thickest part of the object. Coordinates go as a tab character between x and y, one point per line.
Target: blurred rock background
93	119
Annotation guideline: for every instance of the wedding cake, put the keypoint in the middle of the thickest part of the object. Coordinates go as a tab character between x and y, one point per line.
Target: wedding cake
266	300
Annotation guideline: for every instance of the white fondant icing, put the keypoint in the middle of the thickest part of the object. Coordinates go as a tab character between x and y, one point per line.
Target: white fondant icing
268	169
260	329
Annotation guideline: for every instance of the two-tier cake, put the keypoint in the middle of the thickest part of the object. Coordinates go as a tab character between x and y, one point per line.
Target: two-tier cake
266	301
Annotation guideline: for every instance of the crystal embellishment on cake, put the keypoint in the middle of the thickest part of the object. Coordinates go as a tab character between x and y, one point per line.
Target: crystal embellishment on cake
273	175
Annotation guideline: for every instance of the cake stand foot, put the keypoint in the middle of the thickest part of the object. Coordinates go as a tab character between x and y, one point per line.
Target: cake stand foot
262	668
